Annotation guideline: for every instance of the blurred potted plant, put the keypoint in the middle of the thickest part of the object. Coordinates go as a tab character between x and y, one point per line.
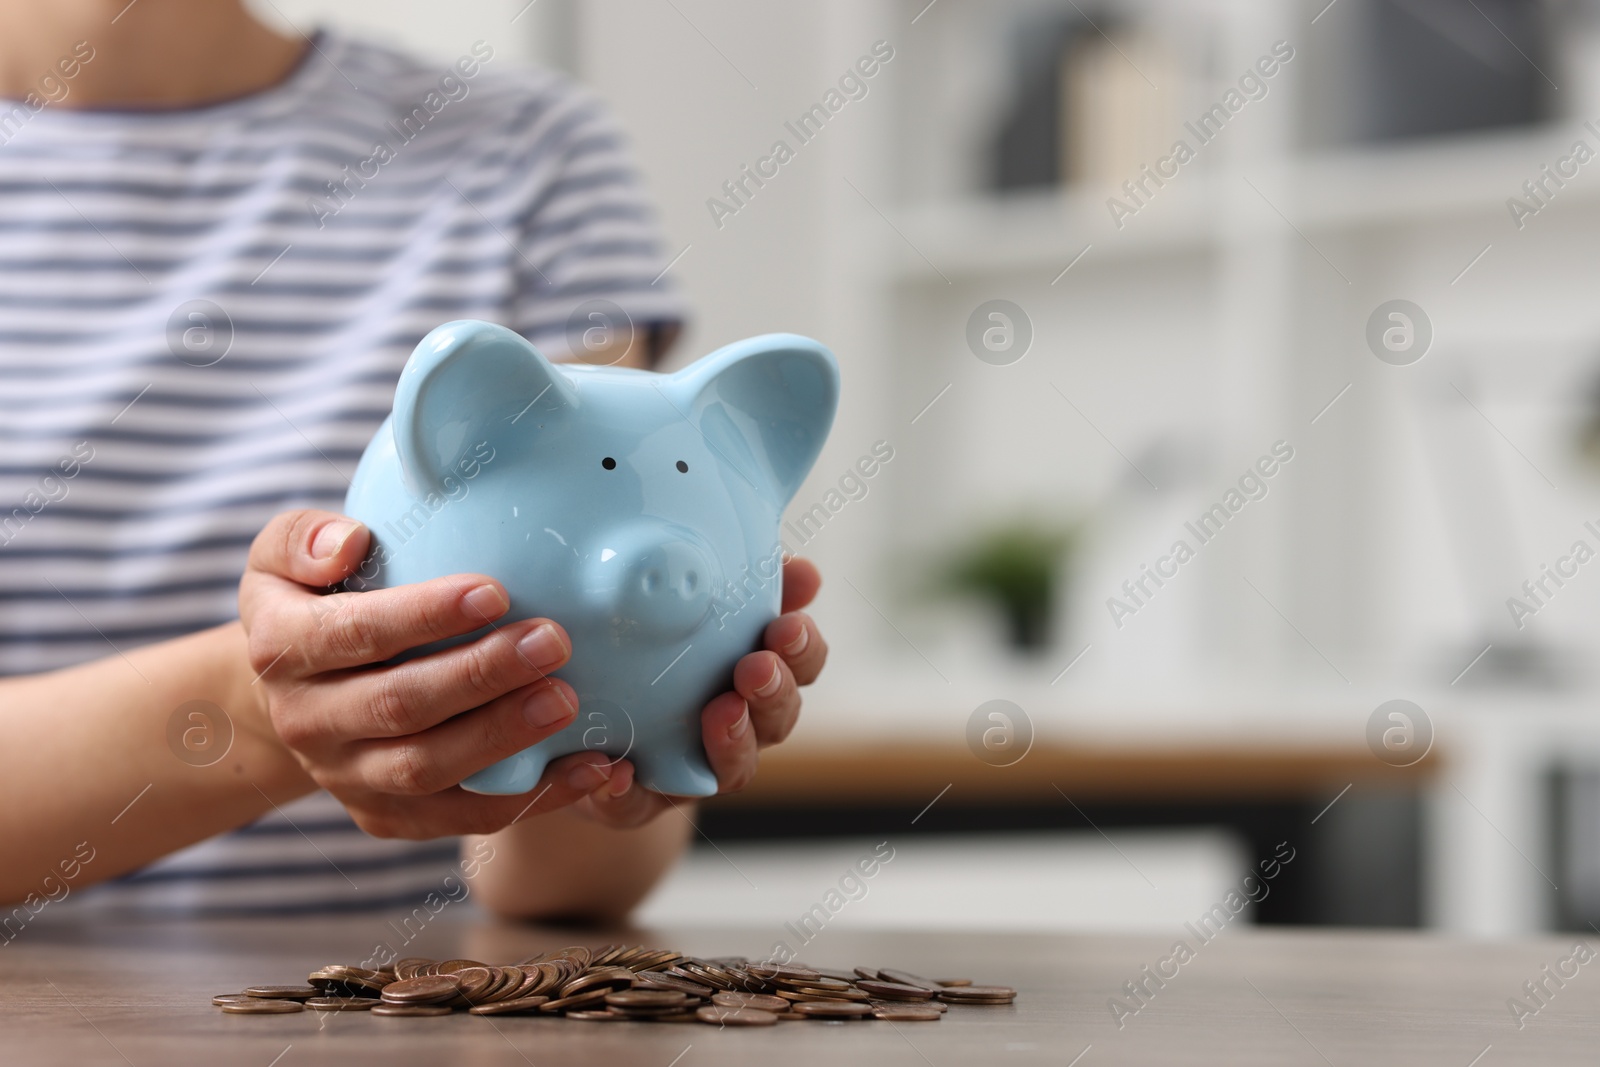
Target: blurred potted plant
1018	567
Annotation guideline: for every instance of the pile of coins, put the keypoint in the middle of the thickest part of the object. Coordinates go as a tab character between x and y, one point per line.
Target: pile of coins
618	983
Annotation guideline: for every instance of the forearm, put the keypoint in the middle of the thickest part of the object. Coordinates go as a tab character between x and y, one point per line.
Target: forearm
86	766
563	866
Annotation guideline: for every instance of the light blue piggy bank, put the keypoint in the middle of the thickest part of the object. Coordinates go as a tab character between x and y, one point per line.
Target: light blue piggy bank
639	510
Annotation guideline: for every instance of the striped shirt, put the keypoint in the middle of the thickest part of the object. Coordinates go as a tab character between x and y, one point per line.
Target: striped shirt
203	314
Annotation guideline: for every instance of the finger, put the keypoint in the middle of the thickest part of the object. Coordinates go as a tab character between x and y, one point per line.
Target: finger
434	759
768	687
309	547
796	638
583	774
801	580
623	803
725	729
410	697
356	629
455	811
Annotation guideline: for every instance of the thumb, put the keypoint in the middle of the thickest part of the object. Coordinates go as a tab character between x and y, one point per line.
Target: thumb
314	548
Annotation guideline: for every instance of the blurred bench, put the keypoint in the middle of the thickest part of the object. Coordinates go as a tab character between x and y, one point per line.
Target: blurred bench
1354	821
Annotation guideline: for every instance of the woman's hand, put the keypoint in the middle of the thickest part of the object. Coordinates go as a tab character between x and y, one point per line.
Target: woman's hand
761	710
392	742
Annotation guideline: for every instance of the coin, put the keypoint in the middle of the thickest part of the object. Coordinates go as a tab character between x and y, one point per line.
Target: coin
340	980
509	1007
645	998
452	966
907	978
819	982
410	967
768	970
280	992
596	977
545	978
516	979
760	1001
720	1016
262	1006
473	982
511	979
840	976
847	993
977	994
666	980
585	999
622	982
833	1009
642	959
895	991
424	989
503	986
707	973
906	1013
606	954
926	1005
575	954
412	1009
341	1003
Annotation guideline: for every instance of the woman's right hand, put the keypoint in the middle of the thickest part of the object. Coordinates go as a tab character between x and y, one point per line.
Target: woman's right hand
391	742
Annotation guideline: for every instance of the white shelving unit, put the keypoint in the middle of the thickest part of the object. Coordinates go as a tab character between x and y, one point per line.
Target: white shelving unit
1223	317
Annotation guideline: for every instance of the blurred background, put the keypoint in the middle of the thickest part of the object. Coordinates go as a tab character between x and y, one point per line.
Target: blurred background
1343	345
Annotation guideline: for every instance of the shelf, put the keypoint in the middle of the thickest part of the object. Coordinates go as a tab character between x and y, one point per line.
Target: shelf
1205	211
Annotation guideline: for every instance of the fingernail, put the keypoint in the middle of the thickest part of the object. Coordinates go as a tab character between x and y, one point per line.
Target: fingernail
620	784
331	538
798	645
543	646
547	707
485	601
771	685
589	777
740	725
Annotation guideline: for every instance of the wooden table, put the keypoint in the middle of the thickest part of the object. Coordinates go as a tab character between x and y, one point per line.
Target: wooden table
860	774
100	993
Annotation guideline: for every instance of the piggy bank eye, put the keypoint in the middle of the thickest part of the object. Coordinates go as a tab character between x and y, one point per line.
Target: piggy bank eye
683	468
609	464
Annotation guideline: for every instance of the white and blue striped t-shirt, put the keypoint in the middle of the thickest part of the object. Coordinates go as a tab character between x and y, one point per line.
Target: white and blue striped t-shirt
203	314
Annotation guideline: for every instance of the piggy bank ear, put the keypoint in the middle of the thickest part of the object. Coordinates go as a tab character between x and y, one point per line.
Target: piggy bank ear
765	405
465	383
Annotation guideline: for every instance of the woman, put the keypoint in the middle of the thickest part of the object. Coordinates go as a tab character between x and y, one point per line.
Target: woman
220	243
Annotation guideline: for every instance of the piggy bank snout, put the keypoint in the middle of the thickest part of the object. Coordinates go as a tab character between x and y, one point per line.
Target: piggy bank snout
663	585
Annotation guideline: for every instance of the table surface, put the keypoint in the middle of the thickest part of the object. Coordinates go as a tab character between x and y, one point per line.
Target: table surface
93	992
853	774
